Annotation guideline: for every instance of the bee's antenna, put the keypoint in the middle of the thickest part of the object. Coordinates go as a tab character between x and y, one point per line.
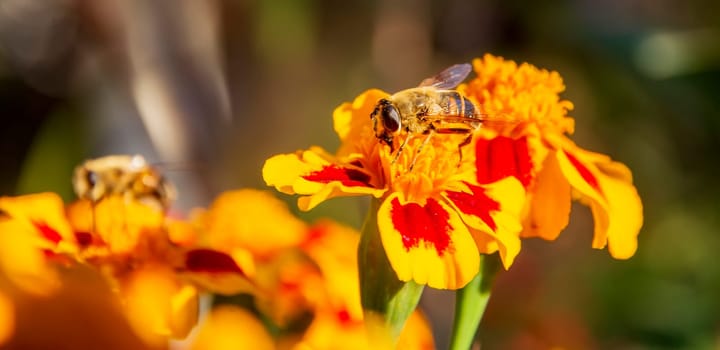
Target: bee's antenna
178	166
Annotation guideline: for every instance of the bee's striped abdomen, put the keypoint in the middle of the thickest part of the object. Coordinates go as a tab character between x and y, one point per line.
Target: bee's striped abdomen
456	104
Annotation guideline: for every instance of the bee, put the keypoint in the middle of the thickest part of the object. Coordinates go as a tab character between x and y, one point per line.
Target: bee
129	176
432	107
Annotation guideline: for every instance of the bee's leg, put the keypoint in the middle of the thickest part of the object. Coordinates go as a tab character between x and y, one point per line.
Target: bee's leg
92	218
465	142
422	145
400	149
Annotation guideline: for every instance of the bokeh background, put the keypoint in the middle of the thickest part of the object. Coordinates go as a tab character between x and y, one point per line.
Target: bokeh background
207	90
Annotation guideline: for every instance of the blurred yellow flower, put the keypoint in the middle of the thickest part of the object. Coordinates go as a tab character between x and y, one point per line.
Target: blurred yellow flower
536	151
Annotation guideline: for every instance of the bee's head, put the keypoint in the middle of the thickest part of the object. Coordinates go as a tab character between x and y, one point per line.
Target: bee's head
98	177
386	121
87	183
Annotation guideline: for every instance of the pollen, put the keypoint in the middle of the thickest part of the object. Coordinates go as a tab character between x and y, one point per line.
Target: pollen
427	163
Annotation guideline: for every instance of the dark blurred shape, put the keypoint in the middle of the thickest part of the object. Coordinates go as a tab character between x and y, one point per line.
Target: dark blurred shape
22	112
38	40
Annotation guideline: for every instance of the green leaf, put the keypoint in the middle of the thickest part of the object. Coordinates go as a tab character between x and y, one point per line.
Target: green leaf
470	303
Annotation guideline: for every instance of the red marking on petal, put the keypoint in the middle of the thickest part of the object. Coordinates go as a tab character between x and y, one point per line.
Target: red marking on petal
584	172
289	286
501	157
418	223
348	177
48	232
208	260
477	203
83	238
344	317
315	233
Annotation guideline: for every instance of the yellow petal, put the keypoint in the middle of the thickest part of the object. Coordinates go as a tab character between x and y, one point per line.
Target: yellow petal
118	223
22	260
492	213
46	209
318	175
427	242
614	201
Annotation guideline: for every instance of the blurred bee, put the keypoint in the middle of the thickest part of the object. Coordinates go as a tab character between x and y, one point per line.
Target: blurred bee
432	107
129	176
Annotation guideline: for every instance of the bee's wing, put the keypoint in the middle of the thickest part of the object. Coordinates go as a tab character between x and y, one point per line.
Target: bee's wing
450	77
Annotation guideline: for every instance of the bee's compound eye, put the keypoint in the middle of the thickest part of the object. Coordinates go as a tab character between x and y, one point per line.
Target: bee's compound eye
390	118
91	177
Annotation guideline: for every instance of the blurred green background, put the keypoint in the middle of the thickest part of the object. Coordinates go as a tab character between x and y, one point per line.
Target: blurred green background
210	89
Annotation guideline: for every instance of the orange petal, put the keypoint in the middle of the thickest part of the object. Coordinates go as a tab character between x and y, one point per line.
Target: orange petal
290	286
333	247
217	271
230	327
427	242
548	208
158	305
252	220
614	201
417	333
332	329
318	175
350	119
7	317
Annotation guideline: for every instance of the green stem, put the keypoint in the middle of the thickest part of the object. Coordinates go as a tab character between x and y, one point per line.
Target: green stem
381	293
470	303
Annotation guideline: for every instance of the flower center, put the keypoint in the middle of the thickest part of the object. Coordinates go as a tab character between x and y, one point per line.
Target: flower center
425	165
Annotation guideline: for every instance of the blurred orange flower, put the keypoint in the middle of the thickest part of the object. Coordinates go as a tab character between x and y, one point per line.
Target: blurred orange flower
536	151
126	241
33	231
338	320
434	219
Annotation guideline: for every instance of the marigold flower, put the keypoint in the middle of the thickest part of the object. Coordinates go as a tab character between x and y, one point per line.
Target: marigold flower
127	241
434	219
338	320
250	226
536	151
